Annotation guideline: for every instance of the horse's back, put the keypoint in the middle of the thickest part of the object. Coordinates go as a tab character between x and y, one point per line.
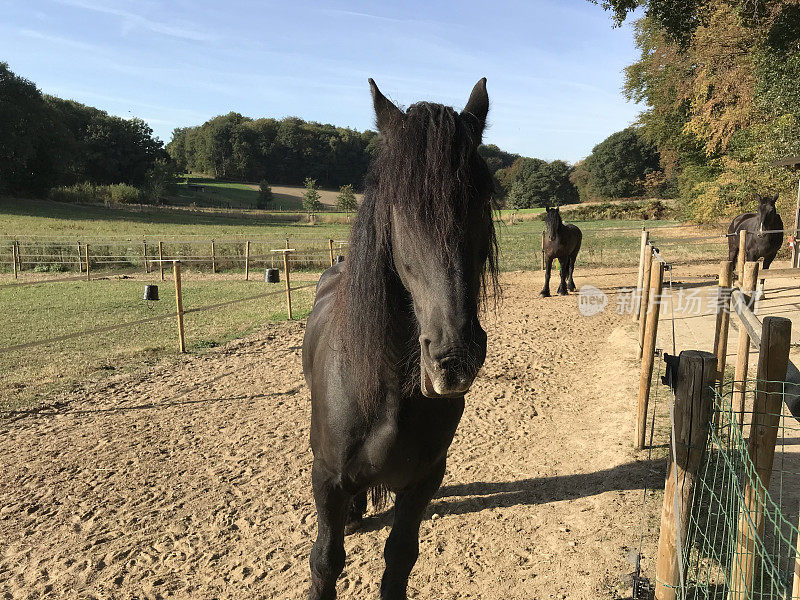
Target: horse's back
739	222
577	236
321	314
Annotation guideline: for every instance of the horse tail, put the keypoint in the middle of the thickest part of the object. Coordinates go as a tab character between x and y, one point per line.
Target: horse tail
379	495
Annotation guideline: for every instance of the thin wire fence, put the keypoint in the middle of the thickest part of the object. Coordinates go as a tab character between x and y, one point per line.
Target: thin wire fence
60	256
742	536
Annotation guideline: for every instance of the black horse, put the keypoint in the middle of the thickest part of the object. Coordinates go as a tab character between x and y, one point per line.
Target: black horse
758	244
393	342
561	241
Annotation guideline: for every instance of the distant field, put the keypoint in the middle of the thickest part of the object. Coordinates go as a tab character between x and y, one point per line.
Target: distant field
47	310
245	195
604	241
44	310
22	217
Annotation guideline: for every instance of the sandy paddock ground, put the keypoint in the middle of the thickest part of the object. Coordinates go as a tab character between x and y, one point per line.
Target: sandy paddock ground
193	479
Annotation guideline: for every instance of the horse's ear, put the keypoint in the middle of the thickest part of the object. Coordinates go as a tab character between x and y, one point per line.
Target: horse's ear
477	108
387	115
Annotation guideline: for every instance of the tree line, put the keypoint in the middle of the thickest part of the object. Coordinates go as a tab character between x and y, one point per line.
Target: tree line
75	152
282	151
46	142
721	82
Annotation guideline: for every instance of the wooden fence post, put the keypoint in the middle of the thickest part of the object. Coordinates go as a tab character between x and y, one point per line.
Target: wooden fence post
86	248
645	295
176	272
247	261
80	258
723	318
693	401
213	258
161	258
288	288
795	593
144	257
14	257
773	358
543	259
742	257
640	280
330	247
748	286
648	349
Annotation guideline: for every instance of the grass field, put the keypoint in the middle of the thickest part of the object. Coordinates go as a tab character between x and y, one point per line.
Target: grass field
245	195
45	310
42	311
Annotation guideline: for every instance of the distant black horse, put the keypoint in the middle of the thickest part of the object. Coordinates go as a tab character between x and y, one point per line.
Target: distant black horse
394	341
758	244
561	241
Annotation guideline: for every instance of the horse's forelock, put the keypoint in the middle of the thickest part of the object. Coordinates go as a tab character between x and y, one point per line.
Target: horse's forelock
430	171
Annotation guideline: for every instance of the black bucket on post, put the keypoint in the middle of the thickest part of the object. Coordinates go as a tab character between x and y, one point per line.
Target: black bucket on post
340	258
150	293
272	276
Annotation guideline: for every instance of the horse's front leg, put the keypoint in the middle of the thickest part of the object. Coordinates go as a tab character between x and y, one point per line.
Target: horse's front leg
545	293
327	555
402	546
570	280
563	268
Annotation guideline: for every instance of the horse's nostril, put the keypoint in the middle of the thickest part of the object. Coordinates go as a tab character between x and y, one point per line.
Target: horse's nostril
425	343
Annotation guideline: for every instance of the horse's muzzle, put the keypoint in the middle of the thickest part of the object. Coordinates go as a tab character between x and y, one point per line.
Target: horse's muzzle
451	376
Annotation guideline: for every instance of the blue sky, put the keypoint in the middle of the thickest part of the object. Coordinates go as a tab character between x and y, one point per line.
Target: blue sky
553	67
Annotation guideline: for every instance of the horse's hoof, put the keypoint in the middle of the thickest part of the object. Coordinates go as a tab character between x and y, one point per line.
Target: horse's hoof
563	293
572	288
544	294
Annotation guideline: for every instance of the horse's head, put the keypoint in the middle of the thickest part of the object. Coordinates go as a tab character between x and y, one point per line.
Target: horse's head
552	221
441	233
766	212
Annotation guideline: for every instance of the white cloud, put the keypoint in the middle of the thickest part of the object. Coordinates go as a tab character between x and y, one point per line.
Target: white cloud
131	21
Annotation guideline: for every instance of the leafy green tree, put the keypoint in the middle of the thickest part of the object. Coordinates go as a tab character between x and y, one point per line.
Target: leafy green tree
496	158
33	144
536	182
311	196
679	18
580	178
619	164
346	200
161	182
265	196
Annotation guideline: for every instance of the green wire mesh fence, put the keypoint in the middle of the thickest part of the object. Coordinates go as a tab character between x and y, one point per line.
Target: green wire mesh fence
742	536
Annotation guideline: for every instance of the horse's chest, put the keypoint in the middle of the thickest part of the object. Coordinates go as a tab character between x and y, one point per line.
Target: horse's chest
422	434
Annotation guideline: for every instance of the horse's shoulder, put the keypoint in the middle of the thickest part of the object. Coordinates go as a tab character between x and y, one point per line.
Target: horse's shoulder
329	281
572	227
740	221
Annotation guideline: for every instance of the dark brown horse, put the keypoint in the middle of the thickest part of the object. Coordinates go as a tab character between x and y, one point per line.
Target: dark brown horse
758	244
561	241
394	341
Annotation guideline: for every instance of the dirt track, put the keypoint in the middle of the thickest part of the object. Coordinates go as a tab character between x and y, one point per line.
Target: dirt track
193	480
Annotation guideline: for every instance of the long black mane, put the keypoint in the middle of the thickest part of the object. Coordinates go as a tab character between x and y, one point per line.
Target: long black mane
552	222
430	170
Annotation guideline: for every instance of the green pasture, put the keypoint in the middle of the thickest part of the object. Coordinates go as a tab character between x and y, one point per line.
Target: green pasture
37	311
217	194
43	311
42	218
